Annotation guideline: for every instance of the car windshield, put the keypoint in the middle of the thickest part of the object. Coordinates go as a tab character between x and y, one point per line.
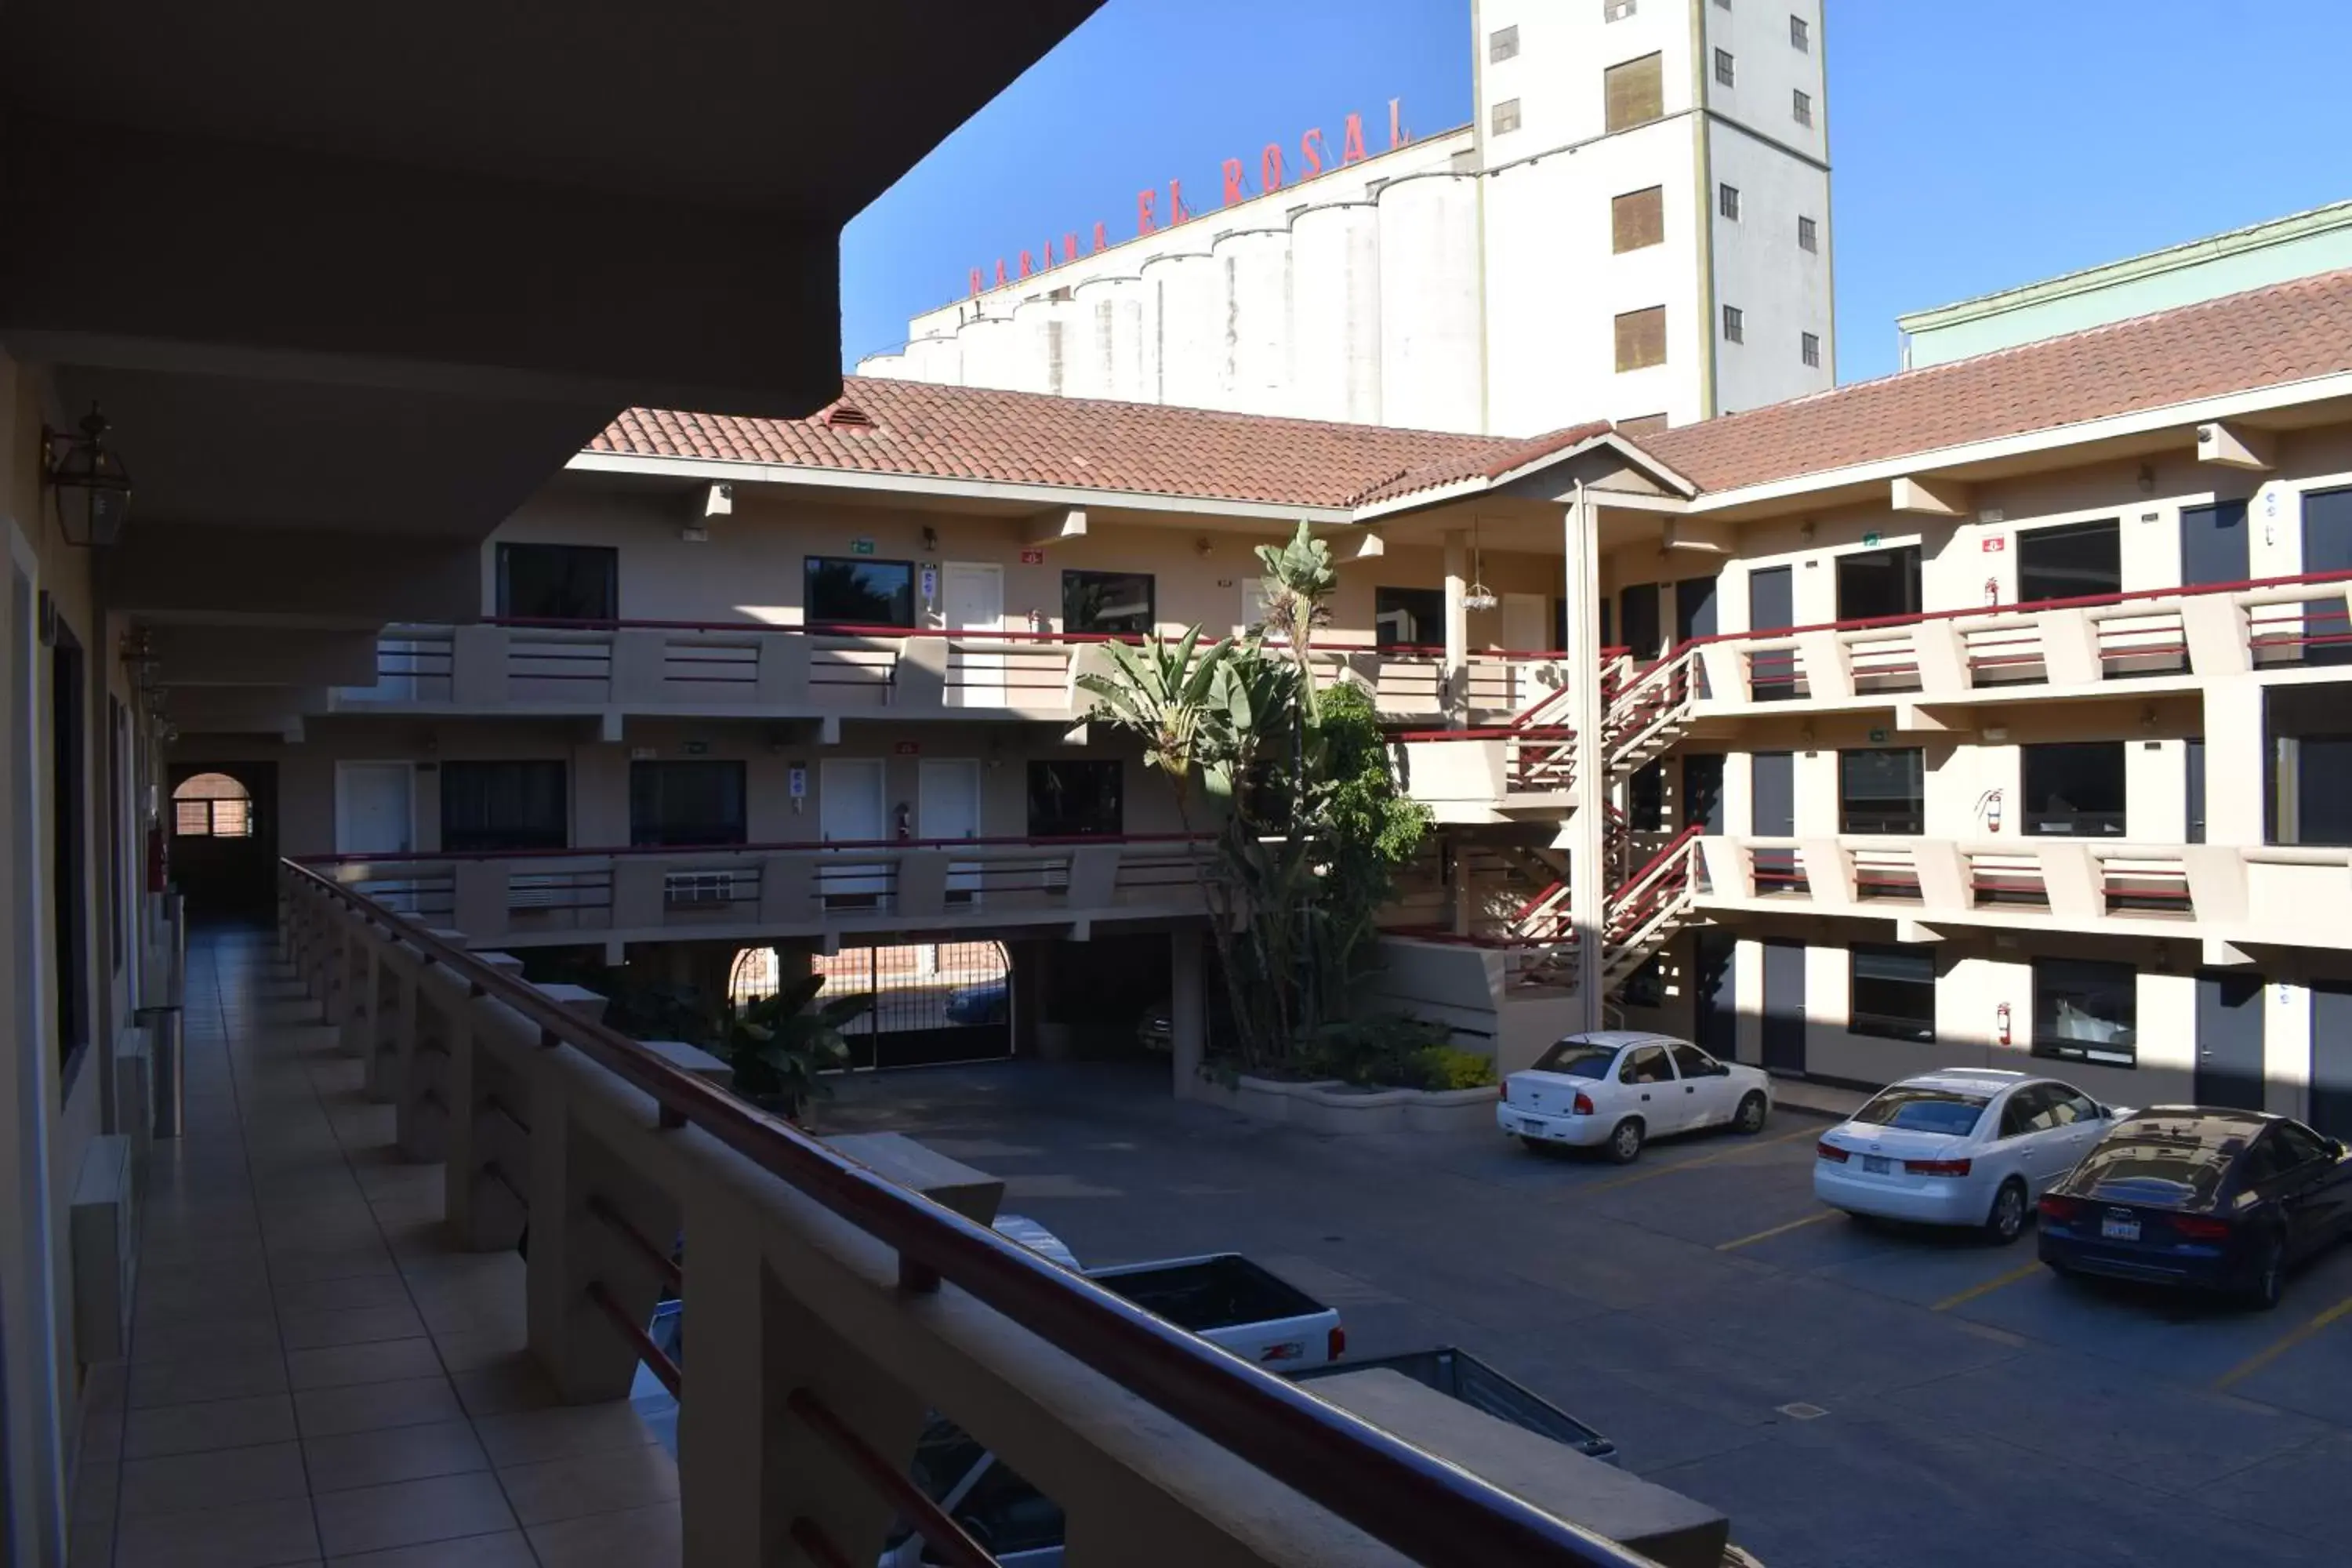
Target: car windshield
1914	1108
1577	1058
2156	1170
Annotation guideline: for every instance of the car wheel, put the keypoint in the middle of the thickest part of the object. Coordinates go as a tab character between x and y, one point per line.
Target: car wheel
2006	1223
1749	1118
1625	1142
2270	1275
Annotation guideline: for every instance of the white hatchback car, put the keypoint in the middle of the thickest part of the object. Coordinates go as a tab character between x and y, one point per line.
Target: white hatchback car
1618	1088
1971	1146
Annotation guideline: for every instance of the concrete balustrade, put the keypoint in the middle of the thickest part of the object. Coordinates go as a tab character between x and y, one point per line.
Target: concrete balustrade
789	1301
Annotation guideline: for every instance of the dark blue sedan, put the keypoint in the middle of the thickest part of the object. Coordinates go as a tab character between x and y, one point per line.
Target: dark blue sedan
2216	1200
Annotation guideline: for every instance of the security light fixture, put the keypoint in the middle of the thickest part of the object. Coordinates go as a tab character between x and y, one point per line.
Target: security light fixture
93	488
1480	596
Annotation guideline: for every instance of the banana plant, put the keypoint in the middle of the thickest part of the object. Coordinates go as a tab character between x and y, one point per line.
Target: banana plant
780	1045
1299	581
1176	699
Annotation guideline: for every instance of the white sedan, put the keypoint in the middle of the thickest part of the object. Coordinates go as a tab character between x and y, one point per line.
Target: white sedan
1969	1146
1618	1088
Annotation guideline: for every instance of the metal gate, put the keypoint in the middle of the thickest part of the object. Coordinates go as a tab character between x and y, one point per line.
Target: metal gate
933	1002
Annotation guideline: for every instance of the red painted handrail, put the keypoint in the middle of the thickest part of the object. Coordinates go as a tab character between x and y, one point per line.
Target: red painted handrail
1429	1510
803	845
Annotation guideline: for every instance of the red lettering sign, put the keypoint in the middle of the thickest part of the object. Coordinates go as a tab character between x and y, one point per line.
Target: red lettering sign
975	280
1235	195
1396	124
1995	545
1177	210
1000	272
1269	168
1033	558
1099	241
1026	268
1351	141
1069	247
1143	223
1310	153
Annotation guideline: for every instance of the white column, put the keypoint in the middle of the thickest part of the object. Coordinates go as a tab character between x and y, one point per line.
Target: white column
1187	1024
1456	697
1587	878
2235	749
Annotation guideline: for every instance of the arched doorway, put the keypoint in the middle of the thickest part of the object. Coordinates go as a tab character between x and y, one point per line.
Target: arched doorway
224	839
933	1002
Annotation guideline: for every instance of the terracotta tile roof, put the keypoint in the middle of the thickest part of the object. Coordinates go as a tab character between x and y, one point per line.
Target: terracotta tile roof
1019	438
1498	458
2267	337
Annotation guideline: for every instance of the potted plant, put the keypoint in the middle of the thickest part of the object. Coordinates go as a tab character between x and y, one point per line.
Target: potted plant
779	1044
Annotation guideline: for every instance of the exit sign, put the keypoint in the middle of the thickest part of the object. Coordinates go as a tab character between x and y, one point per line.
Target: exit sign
909	748
1996	544
1869	540
1033	558
861	547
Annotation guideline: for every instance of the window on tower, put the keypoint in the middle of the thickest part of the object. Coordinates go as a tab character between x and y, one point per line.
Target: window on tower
1617	10
1725	72
1801	35
1809	235
1812	348
1503	44
1635	92
1803	108
1637	219
1735	324
1506	118
1726	201
1641	338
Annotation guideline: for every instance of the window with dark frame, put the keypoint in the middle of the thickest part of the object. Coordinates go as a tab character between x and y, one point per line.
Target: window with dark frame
1505	117
2073	788
2074	561
1802	107
694	803
1642	339
1409	618
1502	43
1876	584
1633	92
1809	348
1801	35
2086	1010
1112	604
857	591
69	828
1645	798
1735	324
1637	220
1809	236
1726	201
1883	790
1076	798
211	806
1727	70
488	806
1646	986
559	581
1891	993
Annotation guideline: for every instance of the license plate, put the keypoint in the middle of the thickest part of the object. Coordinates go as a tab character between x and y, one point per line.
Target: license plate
2119	1229
1531	1126
1876	1164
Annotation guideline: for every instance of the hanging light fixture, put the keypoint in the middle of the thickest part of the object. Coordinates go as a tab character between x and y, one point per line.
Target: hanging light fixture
1480	596
93	488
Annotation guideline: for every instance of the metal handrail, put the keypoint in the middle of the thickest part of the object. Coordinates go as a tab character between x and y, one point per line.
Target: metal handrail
1423	1507
786	846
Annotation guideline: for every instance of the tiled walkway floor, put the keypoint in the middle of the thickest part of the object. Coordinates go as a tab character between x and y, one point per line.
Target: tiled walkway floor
315	1375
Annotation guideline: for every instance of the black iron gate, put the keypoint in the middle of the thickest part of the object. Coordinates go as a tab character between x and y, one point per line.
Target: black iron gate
933	1002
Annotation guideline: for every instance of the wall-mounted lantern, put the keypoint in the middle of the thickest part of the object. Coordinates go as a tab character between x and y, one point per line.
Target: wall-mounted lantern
93	488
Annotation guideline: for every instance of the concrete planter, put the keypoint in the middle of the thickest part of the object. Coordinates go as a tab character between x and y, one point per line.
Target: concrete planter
1338	1109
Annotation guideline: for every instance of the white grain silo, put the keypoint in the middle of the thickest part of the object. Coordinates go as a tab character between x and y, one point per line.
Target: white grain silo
990	349
1335	312
890	367
1431	353
938	360
1044	328
1108	313
1186	350
1254	331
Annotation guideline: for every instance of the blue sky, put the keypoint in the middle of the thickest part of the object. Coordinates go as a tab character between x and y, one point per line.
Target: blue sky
1976	143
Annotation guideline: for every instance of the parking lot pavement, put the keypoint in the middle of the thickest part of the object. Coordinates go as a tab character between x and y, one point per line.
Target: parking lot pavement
1699	1308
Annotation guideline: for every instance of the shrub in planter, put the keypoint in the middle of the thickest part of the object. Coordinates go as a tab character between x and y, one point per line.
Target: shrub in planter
778	1045
1396	1050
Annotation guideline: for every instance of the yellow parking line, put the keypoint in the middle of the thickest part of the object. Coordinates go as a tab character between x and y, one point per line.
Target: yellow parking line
1776	1230
2263	1357
1743	1145
2023	1272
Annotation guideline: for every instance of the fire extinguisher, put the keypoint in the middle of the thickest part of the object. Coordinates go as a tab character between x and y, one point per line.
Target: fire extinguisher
2000	1023
158	873
1989	807
1992	590
904	820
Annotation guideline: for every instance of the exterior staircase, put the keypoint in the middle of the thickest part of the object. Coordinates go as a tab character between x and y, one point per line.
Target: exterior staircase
1645	909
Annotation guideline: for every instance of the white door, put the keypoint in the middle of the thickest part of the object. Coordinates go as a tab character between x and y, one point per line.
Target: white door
1253	611
971	598
948	803
1524	631
850	810
376	808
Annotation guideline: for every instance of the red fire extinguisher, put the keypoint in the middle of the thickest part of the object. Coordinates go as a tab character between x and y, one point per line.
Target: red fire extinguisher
904	819
1992	590
2000	1023
158	872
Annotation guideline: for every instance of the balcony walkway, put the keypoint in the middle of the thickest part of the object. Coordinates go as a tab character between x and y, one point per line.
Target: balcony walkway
316	1375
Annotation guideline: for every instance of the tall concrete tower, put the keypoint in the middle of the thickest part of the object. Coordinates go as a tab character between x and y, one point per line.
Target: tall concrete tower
1635	226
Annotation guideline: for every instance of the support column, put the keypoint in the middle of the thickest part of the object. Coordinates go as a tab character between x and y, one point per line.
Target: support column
1456	698
1187	1007
2236	746
1588	862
